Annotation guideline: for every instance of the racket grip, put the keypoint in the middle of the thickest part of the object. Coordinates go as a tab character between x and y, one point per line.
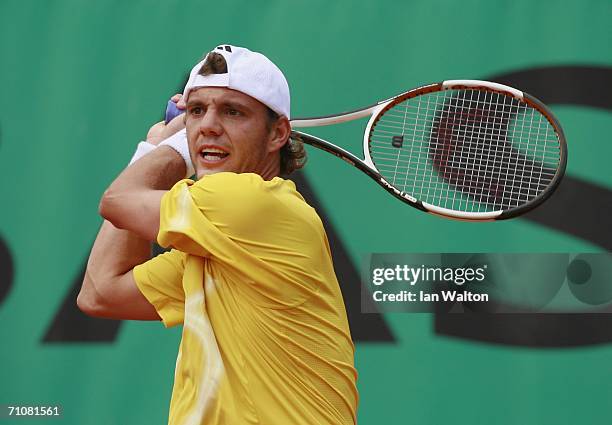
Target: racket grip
172	111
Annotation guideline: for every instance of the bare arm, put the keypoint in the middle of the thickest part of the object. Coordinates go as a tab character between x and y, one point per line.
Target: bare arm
131	209
109	289
132	200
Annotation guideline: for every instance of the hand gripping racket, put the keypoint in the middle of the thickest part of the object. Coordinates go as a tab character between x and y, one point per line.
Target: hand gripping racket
464	149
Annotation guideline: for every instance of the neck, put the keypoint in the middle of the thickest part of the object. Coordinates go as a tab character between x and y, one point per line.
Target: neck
271	167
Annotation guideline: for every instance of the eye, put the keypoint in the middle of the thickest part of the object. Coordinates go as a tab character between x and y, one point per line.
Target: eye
234	112
196	110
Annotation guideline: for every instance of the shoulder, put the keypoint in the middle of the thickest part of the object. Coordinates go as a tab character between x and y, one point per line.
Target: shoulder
248	199
244	190
237	183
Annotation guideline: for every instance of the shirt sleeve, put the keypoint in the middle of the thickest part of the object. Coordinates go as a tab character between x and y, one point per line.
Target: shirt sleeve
160	281
237	221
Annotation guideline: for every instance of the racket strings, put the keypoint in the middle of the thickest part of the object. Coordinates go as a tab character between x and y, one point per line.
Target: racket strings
466	150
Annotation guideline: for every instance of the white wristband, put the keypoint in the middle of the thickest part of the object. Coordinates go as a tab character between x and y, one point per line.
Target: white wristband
142	149
178	142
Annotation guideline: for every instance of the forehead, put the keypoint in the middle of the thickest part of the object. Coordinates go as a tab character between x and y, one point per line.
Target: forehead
222	95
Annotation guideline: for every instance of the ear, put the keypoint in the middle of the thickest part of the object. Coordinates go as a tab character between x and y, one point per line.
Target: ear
279	134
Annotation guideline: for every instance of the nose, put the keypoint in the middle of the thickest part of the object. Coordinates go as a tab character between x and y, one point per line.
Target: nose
209	124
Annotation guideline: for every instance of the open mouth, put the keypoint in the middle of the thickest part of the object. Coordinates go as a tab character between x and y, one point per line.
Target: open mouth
213	154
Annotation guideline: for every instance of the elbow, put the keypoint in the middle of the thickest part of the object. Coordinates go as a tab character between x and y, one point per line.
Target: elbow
89	302
87	305
105	208
93	308
109	207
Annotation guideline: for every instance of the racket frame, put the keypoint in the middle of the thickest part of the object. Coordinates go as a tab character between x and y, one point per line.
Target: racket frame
376	110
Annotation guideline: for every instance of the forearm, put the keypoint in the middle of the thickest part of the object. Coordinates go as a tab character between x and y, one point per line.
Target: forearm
158	170
132	200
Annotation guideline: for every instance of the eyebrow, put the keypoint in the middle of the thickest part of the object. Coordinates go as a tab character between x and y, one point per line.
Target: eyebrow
194	103
236	105
225	103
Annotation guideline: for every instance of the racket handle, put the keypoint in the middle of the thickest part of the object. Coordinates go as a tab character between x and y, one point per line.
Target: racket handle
172	111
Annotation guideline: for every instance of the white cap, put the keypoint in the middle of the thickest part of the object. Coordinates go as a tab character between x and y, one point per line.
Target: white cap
248	72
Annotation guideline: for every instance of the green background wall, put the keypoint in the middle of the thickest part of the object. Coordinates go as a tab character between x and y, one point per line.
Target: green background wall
81	82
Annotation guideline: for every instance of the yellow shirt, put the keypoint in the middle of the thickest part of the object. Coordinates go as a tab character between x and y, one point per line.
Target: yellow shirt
265	334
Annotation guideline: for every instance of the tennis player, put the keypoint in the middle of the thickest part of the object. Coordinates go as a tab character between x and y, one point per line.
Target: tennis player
249	275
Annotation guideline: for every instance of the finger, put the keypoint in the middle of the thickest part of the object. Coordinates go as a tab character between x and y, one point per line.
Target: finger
176	97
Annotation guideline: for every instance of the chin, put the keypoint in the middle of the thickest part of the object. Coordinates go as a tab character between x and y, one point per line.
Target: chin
207	172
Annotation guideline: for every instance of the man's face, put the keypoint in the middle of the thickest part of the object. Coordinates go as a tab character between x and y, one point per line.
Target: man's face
227	131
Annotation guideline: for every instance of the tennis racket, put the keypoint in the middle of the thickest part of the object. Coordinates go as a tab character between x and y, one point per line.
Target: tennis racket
463	149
